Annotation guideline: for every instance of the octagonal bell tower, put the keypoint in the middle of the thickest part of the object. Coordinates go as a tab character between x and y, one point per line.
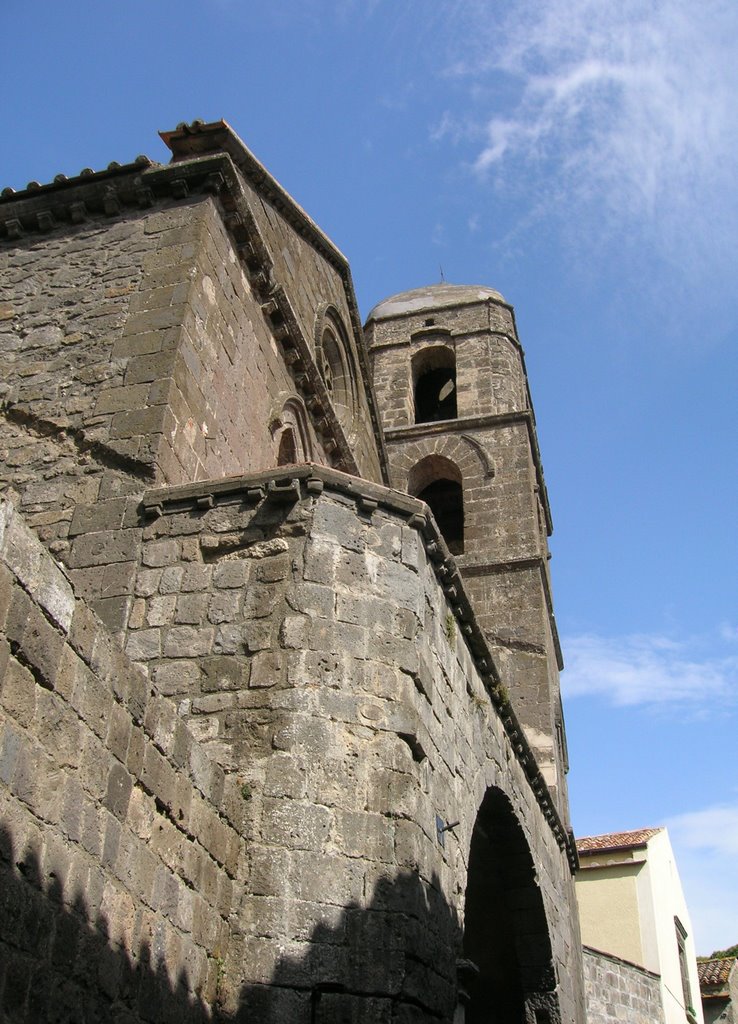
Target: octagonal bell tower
451	384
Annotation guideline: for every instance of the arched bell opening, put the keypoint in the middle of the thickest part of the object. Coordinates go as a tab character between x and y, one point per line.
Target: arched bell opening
434	384
510	977
437	481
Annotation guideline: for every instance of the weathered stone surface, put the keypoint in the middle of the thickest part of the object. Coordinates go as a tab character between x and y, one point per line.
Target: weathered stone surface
94	834
355	715
274	810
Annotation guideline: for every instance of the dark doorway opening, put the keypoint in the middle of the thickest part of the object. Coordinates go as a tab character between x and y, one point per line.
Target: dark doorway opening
505	929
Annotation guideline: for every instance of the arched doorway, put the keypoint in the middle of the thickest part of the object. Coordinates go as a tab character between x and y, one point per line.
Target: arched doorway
507	958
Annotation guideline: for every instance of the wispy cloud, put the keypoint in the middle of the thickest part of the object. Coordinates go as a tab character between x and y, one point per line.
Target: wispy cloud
627	110
648	670
713	829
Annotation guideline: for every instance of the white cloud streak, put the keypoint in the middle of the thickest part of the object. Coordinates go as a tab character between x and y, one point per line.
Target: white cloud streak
625	109
714	829
648	670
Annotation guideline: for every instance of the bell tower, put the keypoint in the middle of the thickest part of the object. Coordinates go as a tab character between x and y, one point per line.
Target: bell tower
451	384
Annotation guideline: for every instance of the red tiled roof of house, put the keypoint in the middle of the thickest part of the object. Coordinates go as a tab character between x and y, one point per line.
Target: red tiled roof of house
616	840
715	972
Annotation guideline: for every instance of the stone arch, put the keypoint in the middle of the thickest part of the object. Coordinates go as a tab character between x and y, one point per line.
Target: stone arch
449	446
434	384
507	958
291	434
437	481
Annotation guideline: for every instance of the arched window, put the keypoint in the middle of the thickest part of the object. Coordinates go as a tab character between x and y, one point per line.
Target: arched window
291	435
434	384
437	481
336	366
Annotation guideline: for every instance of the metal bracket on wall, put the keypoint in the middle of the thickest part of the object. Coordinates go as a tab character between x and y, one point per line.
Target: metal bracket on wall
442	828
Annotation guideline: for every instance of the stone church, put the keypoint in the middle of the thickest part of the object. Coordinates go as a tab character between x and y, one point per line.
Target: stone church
281	737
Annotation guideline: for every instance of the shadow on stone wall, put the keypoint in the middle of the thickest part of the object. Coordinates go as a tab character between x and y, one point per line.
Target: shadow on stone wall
56	964
391	963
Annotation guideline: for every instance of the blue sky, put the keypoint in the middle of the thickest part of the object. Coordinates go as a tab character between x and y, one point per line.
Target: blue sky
582	158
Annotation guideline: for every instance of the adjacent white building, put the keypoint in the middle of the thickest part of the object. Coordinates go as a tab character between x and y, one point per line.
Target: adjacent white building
631	906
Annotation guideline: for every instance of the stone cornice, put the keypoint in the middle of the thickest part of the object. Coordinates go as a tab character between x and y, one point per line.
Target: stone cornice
72	201
292	484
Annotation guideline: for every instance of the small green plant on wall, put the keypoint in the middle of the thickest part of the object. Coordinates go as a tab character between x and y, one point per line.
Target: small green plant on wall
450	628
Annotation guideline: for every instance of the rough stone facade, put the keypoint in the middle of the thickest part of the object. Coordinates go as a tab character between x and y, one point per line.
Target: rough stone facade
250	663
122	842
618	991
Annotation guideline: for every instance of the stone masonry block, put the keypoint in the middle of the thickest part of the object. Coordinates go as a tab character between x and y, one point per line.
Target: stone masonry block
18	693
176	677
267	669
101	548
295	826
224	607
144	644
187	642
225	673
160	553
232	574
191	609
196	577
119	788
103	515
285	777
55	595
42	647
293	633
323	878
320	562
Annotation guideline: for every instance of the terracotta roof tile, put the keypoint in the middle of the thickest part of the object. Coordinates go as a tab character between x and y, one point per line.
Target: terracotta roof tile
616	840
715	972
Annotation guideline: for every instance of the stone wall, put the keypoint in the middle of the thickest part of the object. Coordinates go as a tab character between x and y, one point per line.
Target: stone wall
265	791
616	991
301	626
320	660
120	847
